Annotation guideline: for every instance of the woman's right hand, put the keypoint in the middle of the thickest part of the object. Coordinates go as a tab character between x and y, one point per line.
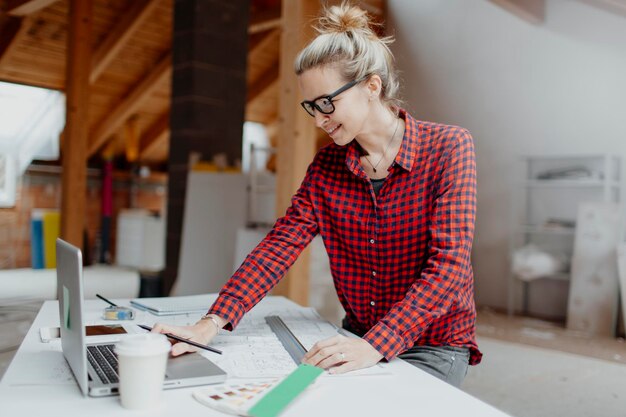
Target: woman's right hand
202	332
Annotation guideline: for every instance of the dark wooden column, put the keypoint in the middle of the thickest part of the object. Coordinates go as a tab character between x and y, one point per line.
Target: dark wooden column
208	99
74	146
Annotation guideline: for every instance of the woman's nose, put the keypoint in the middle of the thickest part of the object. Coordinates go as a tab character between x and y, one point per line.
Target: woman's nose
320	118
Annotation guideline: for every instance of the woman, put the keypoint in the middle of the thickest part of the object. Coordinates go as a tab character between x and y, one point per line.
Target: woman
394	201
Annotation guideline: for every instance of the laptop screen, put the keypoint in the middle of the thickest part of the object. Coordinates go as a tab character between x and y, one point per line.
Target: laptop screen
70	296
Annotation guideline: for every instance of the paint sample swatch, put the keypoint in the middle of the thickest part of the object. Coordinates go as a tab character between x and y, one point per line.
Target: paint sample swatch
261	398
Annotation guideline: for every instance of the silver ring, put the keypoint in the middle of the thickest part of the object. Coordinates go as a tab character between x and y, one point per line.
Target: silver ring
343	357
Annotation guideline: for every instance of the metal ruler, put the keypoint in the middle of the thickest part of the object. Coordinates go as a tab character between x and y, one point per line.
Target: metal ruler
290	342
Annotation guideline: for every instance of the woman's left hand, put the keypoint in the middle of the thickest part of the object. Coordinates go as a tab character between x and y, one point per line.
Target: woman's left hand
341	354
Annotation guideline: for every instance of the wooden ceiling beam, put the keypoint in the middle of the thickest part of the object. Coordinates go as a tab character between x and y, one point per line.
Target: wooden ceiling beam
131	104
8	32
154	137
264	82
120	35
262	43
614	6
270	76
25	7
374	7
531	10
265	20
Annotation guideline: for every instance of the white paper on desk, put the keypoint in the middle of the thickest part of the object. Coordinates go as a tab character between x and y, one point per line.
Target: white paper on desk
252	357
253	350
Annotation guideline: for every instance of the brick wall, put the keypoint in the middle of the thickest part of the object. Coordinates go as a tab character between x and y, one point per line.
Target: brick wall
39	189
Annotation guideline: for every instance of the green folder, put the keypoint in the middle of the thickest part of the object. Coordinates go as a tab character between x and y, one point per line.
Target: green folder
285	392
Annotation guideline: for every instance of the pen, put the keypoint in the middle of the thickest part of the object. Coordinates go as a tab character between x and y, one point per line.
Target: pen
181	339
105	300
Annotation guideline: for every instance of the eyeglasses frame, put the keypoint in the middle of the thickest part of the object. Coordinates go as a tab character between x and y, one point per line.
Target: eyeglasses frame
329	97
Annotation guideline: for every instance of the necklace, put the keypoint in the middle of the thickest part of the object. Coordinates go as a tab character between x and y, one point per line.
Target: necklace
384	150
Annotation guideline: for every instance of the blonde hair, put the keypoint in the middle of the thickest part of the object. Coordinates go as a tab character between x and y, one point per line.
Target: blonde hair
346	38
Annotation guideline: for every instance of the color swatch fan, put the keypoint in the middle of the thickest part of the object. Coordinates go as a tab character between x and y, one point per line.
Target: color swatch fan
258	399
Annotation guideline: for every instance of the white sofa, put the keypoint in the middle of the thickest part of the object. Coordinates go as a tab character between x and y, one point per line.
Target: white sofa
41	284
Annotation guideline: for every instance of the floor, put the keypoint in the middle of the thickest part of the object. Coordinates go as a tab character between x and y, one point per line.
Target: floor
531	368
15	320
536	368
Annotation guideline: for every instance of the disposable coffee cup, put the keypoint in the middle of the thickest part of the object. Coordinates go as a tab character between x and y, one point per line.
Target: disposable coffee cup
142	361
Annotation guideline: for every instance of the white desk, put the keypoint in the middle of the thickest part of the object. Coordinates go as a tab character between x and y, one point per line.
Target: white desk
406	391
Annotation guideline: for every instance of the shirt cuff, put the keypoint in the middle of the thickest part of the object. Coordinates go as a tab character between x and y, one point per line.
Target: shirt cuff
386	341
230	309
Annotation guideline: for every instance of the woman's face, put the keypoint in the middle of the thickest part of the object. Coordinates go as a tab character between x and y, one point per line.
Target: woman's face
351	106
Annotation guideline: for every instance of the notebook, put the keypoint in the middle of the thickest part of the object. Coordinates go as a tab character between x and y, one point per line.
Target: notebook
94	365
165	306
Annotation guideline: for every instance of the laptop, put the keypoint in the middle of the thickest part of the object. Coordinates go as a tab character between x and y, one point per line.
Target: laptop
94	365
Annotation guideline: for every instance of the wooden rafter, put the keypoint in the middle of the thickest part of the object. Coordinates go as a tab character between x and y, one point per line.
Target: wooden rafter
264	82
614	6
8	31
155	135
26	7
262	44
270	75
12	32
131	104
530	10
375	8
120	35
265	20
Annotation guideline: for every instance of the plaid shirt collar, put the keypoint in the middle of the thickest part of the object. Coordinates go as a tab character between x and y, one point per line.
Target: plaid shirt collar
406	155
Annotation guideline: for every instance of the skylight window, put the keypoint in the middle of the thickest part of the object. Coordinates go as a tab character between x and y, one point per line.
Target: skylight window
31	120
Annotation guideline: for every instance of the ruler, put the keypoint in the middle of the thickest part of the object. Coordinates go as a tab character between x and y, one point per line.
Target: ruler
290	342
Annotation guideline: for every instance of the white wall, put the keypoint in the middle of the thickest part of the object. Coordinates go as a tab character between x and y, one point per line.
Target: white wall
558	87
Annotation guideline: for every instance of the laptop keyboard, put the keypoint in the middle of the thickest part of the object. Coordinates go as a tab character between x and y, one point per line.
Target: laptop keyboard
104	361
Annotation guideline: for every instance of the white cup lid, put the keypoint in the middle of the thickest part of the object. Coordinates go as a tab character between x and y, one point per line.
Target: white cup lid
145	344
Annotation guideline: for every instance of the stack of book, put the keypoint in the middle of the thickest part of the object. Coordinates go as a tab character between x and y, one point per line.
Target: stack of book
44	230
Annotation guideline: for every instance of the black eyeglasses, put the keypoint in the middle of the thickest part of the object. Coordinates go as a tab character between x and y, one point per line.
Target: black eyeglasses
324	104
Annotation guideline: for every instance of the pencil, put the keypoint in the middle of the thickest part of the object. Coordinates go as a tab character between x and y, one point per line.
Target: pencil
105	300
182	339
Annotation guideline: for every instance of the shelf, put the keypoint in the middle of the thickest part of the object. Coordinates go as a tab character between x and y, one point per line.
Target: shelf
561	231
558	276
264	188
570	183
560	157
549	189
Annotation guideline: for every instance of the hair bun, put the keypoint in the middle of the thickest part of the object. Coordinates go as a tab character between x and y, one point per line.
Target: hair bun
344	18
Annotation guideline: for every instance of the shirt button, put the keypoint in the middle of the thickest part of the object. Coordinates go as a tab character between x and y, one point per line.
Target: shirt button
373	273
372	303
372	241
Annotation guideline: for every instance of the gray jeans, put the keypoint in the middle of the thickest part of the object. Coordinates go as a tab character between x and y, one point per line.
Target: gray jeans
447	363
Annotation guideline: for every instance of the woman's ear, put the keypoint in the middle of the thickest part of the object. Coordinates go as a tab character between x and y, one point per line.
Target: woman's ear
374	86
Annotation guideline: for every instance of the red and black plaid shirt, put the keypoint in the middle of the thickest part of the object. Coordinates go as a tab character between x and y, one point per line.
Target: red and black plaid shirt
400	260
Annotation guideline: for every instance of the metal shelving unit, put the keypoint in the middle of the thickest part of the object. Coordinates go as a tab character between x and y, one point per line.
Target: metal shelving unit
546	196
